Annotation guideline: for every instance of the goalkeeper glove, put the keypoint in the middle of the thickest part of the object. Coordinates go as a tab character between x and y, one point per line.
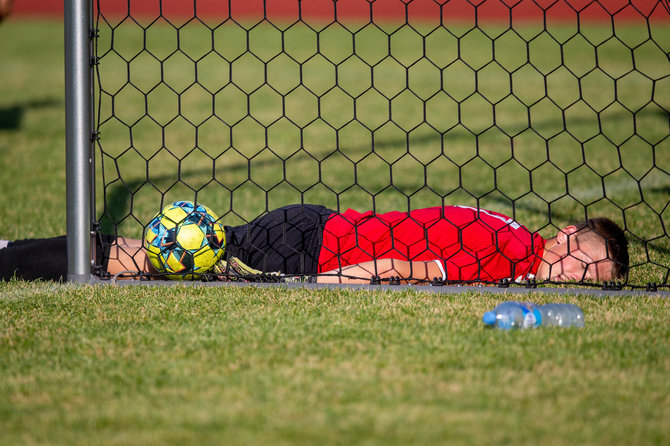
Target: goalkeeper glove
235	270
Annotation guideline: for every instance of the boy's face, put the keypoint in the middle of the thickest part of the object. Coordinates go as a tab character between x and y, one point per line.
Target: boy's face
576	259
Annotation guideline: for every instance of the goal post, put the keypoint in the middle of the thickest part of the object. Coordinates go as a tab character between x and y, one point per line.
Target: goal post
78	123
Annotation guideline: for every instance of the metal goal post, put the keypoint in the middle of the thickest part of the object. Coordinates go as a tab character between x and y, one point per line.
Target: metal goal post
79	36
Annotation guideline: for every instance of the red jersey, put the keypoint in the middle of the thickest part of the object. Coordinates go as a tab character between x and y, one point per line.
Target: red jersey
471	244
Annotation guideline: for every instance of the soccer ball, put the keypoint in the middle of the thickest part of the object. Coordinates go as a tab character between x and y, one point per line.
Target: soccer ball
184	240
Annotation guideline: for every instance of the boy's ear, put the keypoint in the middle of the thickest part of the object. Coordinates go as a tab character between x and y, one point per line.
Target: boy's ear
563	234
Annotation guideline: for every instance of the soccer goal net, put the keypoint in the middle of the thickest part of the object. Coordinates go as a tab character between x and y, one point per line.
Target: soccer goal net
549	112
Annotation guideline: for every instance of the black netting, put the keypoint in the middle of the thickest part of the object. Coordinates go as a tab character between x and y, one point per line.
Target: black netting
550	112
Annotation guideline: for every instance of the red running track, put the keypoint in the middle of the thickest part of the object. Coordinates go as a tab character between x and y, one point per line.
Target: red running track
416	10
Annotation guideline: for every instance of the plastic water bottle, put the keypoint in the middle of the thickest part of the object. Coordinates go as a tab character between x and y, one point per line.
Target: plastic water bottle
510	315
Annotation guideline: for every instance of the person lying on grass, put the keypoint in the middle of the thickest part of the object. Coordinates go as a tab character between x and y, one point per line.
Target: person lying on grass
452	243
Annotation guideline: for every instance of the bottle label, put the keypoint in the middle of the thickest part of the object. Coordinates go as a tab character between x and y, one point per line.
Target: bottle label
531	317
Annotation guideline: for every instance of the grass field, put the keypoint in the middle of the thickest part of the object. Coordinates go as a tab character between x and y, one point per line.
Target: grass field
213	365
180	365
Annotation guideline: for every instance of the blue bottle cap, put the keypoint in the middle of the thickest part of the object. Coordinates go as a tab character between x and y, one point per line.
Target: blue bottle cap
489	318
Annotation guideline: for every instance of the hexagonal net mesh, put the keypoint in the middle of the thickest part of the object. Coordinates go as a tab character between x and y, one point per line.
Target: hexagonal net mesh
548	112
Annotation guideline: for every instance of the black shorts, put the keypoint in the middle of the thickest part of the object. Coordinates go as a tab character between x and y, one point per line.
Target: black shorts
287	239
46	259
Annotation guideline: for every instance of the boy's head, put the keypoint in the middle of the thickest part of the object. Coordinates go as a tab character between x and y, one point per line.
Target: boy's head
595	250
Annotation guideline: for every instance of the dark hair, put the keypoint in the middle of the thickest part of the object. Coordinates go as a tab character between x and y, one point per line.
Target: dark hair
616	243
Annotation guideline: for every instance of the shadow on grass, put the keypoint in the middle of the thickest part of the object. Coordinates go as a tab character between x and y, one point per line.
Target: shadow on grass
119	196
11	117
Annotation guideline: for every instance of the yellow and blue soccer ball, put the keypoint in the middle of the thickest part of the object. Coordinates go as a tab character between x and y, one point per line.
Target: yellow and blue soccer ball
184	240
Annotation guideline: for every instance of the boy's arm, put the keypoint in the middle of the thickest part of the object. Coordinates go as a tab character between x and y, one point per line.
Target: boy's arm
408	272
128	255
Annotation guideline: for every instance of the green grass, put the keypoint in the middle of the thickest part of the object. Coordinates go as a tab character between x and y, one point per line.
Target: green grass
32	137
210	365
176	365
